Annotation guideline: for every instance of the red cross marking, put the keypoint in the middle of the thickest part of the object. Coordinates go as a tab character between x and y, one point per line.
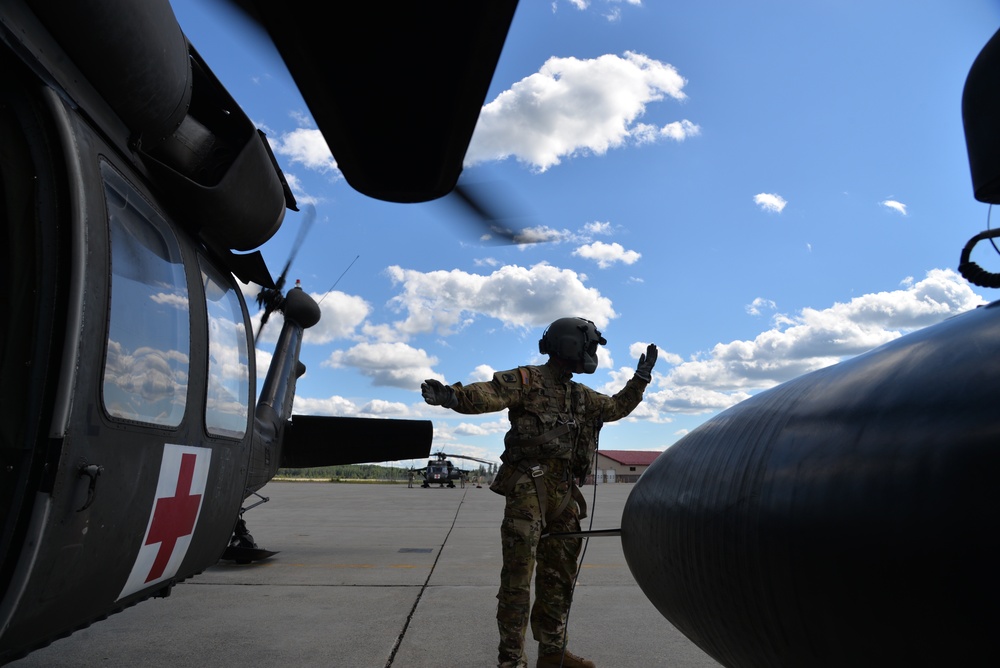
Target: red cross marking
174	517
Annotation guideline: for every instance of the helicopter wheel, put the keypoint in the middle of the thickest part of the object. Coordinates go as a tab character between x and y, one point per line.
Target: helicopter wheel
241	548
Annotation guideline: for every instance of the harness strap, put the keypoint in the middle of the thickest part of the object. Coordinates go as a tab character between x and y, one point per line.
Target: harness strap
543	438
535	471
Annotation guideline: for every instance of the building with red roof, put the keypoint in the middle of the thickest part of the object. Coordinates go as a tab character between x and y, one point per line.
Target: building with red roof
623	465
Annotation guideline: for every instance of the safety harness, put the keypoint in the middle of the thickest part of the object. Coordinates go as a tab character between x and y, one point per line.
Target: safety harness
530	468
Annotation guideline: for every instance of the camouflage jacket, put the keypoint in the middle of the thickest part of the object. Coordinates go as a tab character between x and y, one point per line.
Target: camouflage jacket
551	416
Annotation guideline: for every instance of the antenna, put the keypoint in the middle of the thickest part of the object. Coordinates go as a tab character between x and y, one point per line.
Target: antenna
338	279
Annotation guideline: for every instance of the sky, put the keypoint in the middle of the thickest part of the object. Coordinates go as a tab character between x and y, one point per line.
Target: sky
760	188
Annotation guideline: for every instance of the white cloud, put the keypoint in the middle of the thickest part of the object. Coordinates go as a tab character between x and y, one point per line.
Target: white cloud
814	339
644	133
613	11
597	227
340	316
770	202
573	106
298	190
306	146
339	406
692	400
607	254
481	428
894	205
334	405
519	297
387	364
481	373
754	308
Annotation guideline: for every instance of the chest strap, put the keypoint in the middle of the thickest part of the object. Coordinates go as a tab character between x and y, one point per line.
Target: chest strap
541	439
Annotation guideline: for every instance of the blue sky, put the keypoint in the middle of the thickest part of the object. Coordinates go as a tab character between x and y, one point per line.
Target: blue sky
760	188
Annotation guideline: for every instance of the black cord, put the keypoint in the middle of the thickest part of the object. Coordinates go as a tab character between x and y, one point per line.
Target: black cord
583	552
971	271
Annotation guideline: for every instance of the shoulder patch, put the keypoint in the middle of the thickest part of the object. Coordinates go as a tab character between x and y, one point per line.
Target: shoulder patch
514	378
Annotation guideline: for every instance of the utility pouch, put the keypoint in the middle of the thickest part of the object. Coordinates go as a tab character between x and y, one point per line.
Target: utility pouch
501	483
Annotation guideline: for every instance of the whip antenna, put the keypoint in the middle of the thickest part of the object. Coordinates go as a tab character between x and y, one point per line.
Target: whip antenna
338	279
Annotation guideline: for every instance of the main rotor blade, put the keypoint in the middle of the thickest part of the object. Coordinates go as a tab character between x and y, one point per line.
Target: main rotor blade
307	221
498	223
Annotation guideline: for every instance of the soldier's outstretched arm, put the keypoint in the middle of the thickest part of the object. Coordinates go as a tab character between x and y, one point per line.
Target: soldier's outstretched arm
437	393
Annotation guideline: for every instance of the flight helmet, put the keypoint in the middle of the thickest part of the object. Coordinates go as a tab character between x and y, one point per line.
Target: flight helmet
573	340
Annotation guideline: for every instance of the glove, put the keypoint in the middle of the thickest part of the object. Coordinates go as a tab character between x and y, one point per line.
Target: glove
647	360
437	393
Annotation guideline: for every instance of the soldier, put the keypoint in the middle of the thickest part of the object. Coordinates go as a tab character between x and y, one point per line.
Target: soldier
554	425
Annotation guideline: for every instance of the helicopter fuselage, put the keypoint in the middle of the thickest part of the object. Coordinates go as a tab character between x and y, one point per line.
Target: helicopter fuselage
130	433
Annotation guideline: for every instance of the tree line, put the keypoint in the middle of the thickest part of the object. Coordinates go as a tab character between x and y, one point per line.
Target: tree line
346	472
366	472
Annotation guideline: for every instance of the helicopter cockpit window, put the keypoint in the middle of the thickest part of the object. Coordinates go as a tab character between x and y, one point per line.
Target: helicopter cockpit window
228	402
149	337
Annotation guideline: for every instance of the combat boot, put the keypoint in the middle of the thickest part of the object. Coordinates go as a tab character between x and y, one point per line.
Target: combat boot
566	659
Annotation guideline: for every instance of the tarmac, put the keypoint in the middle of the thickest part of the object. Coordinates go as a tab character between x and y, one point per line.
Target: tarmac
379	576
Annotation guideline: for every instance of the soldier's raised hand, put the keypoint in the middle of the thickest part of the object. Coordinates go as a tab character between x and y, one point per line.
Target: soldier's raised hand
437	393
646	363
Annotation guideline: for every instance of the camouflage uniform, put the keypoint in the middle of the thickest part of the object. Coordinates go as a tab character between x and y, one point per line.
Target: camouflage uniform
554	426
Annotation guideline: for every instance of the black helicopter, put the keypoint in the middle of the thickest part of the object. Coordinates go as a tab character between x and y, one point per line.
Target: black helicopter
440	471
133	192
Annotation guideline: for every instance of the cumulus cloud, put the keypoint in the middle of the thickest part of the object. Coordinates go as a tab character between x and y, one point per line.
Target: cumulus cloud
573	106
611	9
607	254
306	146
894	205
597	227
481	428
691	400
770	202
757	305
387	364
340	316
816	338
481	373
446	301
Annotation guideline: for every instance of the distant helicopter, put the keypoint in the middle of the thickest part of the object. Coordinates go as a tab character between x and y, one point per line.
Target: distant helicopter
440	471
133	190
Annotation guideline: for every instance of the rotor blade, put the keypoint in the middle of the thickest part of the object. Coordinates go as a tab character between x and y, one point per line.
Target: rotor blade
498	223
307	221
475	459
260	328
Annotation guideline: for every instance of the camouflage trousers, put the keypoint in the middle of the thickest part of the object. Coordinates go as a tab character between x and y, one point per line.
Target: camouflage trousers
553	561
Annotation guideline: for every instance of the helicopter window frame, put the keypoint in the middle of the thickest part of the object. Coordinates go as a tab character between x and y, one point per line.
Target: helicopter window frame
147	360
229	371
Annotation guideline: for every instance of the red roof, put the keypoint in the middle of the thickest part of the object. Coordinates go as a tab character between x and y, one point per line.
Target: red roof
632	457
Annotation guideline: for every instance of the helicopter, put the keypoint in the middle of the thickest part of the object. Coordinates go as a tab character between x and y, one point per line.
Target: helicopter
134	192
440	471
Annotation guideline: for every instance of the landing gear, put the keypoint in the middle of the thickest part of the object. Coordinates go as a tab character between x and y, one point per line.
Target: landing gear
241	548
